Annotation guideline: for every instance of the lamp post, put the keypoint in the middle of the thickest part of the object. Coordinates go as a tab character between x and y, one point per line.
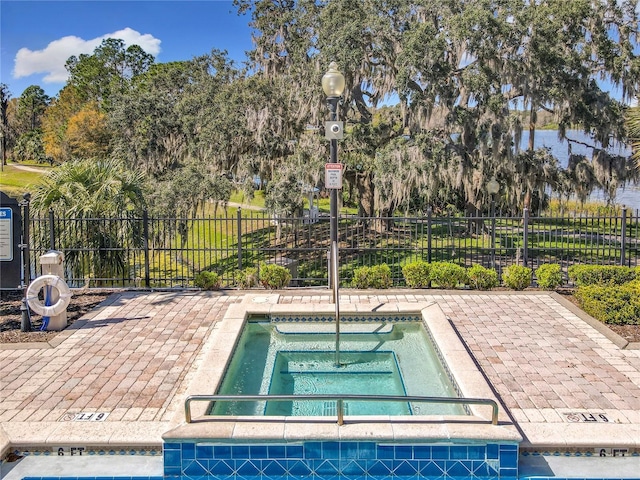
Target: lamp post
333	86
493	187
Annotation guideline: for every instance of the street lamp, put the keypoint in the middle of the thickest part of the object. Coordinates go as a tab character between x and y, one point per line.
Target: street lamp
493	187
333	86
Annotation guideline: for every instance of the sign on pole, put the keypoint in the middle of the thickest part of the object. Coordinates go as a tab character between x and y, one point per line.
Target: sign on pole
333	175
6	234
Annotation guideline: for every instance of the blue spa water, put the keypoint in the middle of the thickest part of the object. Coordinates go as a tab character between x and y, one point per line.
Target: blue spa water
387	359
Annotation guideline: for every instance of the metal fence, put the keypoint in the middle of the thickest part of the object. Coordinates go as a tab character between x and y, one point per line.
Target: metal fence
151	252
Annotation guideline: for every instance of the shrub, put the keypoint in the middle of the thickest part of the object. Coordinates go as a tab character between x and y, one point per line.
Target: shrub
274	276
583	275
614	304
377	276
517	277
549	276
417	274
248	277
447	274
207	280
482	278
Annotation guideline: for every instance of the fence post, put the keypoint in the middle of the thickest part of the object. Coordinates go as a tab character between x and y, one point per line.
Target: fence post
429	213
239	238
52	231
145	242
525	237
623	233
25	245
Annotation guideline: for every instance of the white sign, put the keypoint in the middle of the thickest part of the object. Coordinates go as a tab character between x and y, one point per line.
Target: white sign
333	175
6	234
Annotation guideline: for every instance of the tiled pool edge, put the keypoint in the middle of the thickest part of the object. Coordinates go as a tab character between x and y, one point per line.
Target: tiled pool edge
331	458
199	448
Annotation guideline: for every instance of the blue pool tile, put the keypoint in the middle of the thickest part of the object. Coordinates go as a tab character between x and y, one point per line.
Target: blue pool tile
330	450
476	452
172	446
188	451
481	468
348	450
204	452
380	468
258	452
366	450
508	459
273	468
240	452
295	451
312	450
220	468
222	451
458	468
403	451
172	471
276	451
248	469
440	453
492	451
353	468
327	468
296	467
386	451
194	468
431	469
458	453
405	468
422	452
172	458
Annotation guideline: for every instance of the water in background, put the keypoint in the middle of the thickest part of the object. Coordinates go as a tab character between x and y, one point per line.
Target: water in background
628	196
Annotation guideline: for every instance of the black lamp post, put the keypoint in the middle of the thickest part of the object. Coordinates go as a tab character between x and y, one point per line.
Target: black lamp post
333	86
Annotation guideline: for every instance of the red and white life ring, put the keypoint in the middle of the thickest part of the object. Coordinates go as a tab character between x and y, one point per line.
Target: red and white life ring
64	295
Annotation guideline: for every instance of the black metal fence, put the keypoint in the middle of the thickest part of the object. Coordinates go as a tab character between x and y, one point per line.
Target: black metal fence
143	251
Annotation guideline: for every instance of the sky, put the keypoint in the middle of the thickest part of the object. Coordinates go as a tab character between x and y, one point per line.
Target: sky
37	37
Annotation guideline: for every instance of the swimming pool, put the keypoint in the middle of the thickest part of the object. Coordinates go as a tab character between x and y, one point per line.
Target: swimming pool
396	358
481	443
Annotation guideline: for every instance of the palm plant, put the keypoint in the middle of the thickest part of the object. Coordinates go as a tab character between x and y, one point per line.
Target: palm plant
98	198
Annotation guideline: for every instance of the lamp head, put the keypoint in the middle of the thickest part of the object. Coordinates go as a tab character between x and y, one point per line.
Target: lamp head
333	81
493	186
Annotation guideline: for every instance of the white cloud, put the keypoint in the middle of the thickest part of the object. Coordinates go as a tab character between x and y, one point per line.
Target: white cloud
52	58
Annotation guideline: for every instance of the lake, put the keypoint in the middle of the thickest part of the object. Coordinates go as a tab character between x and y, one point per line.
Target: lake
628	196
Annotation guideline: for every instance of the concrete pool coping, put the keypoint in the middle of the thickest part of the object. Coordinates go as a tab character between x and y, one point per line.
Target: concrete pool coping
222	343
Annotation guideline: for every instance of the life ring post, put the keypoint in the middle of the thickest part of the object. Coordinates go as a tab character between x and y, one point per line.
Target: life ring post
56	292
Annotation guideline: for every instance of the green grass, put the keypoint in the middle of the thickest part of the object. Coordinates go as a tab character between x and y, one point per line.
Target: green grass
15	182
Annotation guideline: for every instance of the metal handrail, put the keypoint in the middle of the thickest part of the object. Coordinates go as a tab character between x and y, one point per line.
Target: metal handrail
340	399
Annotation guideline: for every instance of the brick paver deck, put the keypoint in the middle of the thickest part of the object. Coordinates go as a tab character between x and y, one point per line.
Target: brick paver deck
134	357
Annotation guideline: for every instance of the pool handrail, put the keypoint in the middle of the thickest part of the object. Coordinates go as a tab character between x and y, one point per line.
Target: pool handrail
340	399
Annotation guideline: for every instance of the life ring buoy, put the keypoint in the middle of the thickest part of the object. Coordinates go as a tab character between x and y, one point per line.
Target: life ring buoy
64	295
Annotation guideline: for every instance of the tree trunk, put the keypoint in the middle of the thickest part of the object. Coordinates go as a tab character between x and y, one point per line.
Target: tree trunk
364	184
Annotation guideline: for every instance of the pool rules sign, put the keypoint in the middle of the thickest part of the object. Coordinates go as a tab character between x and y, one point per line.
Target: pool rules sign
10	236
333	175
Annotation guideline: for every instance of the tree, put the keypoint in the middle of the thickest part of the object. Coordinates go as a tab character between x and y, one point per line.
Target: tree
633	123
459	69
56	120
107	71
4	122
88	134
31	106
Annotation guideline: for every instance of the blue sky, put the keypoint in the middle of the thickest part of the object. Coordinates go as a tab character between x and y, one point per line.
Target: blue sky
37	37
